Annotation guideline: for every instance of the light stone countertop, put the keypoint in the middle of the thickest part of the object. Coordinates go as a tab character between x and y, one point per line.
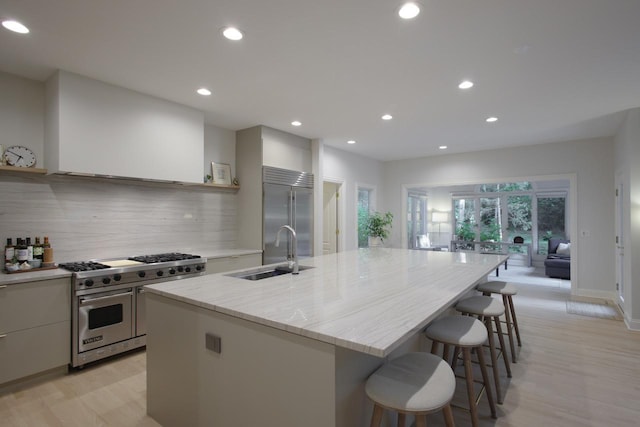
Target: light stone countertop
34	276
367	300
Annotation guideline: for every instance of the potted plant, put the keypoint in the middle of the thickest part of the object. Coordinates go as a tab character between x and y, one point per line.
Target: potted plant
378	227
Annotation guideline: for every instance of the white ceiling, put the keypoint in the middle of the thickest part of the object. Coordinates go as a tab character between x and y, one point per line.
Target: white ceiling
551	70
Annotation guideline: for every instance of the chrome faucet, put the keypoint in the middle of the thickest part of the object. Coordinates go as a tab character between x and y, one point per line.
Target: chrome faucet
294	247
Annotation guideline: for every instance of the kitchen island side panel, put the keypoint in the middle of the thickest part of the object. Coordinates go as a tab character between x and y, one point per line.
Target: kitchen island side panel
262	376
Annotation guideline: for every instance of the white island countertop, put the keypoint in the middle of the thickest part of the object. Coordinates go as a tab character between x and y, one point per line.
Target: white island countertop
367	300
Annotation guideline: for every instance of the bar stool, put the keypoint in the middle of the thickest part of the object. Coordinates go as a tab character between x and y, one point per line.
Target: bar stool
465	333
487	308
507	290
414	383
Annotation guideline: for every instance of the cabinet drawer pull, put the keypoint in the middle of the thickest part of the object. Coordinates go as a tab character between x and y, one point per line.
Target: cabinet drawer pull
3	336
3	286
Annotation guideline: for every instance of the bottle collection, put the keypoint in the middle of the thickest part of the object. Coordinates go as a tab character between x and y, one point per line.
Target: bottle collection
27	255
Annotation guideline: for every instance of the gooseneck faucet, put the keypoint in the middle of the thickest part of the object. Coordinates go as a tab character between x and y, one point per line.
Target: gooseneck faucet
294	246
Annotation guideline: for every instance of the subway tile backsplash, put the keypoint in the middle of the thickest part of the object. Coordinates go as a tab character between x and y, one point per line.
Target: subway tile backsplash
88	218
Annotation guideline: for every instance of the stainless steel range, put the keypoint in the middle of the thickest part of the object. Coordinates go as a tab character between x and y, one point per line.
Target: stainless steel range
108	304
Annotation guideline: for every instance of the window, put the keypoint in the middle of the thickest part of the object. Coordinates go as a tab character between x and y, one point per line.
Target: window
500	212
416	217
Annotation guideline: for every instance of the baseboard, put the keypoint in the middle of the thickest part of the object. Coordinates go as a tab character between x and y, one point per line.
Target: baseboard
590	293
632	324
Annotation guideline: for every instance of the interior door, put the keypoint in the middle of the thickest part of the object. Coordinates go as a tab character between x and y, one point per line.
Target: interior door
330	218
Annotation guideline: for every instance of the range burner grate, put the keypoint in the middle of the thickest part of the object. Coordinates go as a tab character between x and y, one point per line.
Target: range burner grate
82	266
167	257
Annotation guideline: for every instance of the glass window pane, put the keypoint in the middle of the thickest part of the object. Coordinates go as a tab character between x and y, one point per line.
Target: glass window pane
551	221
519	220
490	219
363	214
465	221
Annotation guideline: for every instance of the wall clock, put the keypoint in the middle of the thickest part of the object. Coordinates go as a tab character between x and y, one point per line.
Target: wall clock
19	156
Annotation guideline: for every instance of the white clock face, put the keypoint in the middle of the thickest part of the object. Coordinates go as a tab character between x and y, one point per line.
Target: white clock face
19	156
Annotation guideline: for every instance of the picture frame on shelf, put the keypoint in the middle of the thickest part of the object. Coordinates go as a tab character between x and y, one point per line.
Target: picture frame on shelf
221	173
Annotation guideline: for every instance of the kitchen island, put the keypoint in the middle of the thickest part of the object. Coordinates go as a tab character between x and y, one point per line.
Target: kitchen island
294	350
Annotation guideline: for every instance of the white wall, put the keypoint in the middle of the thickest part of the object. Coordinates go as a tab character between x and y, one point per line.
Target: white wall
285	150
589	161
627	165
22	114
219	147
352	170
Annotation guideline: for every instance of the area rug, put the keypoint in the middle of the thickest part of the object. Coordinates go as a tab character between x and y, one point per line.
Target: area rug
602	311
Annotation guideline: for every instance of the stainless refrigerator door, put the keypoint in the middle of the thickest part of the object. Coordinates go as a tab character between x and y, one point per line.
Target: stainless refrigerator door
303	220
276	201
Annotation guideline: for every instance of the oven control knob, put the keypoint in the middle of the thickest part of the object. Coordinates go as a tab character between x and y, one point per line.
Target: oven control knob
160	273
117	277
198	267
88	282
106	280
172	271
180	269
187	269
141	274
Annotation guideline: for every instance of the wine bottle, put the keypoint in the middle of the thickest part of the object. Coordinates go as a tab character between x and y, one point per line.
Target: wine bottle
29	250
9	251
21	251
38	250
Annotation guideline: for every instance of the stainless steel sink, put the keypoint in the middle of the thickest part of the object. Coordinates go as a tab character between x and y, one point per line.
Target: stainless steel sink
266	272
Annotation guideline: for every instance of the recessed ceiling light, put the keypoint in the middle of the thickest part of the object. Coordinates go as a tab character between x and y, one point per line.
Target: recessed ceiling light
204	91
492	119
15	26
232	33
387	117
351	141
465	84
296	123
409	10
442	147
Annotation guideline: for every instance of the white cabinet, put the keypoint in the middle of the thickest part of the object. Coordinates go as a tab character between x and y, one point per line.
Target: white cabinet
35	326
235	262
93	127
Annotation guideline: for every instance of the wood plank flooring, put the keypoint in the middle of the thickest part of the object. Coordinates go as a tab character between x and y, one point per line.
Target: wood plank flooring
573	371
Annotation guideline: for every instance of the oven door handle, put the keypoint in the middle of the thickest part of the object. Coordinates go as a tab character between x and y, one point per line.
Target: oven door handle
84	300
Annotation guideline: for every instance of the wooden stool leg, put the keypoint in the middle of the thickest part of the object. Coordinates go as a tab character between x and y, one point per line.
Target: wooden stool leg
445	352
507	316
448	416
376	419
494	359
468	373
421	421
401	419
434	347
456	353
514	319
485	379
507	365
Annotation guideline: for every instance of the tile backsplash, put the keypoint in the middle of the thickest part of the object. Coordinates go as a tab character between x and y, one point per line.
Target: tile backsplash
87	218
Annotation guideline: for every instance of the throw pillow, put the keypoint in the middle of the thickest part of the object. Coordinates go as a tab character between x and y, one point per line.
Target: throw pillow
564	249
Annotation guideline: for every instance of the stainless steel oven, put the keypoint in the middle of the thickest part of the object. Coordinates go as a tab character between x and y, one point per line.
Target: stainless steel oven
108	301
104	318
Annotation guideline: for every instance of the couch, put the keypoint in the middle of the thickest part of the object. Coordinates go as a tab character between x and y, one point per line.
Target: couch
558	262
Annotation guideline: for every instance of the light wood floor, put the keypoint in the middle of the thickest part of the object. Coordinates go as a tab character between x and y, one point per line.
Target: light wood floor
573	371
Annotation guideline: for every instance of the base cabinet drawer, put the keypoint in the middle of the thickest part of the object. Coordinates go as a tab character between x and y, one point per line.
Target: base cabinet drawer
34	350
221	265
33	304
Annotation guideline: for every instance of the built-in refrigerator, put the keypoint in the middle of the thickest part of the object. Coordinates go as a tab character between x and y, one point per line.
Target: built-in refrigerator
287	199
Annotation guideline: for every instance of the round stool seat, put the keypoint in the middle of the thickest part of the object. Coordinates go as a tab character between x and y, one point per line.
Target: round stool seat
496	287
463	331
414	382
481	305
